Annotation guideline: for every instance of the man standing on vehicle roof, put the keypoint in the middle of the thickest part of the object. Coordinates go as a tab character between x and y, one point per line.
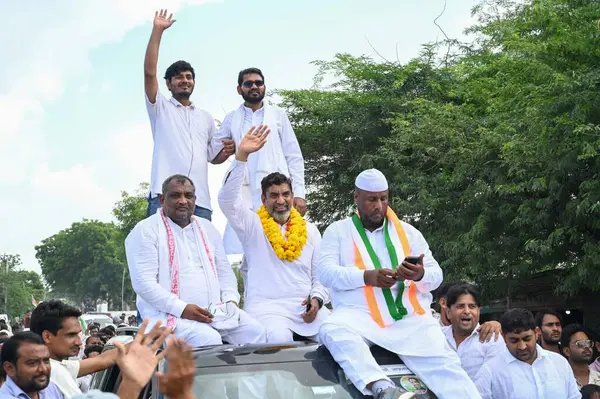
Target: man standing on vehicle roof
182	132
281	249
181	274
381	298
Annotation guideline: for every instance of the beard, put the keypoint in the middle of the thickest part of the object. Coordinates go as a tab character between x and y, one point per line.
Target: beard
280	217
252	99
33	385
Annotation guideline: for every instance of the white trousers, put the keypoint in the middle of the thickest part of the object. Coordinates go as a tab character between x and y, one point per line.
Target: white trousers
196	334
278	333
441	373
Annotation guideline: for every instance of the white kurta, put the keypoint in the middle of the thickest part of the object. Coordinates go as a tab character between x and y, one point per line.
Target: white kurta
416	338
286	154
415	335
505	376
148	261
275	288
473	354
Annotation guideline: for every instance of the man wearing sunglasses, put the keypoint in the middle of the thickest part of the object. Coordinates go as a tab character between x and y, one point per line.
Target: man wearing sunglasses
281	152
578	348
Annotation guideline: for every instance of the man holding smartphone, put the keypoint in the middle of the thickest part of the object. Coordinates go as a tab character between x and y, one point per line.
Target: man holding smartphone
380	272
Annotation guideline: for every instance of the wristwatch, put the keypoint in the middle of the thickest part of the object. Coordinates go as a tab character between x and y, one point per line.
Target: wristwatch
319	301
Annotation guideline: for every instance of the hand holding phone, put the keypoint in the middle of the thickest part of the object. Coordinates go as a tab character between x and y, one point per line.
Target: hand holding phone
411	269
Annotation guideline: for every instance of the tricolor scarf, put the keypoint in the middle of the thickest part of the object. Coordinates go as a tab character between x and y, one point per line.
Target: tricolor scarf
384	308
173	259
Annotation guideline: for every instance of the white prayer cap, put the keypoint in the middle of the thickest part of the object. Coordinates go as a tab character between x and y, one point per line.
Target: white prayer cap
371	180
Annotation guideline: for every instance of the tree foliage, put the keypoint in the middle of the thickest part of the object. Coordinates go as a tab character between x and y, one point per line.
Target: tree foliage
85	262
493	155
17	286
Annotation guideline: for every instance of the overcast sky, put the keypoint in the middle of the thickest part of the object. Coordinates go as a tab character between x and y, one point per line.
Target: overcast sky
74	131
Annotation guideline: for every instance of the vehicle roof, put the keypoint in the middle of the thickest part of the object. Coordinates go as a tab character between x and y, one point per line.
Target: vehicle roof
226	355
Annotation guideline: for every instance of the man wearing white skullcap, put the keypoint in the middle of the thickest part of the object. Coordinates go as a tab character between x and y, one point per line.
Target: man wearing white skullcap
380	273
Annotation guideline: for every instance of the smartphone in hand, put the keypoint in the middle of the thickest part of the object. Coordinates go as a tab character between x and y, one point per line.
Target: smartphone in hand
413	260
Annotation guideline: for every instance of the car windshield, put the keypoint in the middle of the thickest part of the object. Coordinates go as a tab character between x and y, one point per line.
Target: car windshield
102	321
292	380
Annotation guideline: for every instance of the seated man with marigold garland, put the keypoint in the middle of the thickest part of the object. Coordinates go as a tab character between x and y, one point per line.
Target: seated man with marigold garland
281	250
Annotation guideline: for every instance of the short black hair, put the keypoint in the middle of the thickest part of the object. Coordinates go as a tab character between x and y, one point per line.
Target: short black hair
178	179
517	321
177	67
49	316
248	71
275	179
569	331
93	336
588	390
10	348
92	349
456	291
539	317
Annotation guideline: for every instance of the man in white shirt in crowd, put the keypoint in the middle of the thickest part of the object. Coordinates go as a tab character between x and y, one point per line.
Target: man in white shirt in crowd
58	325
577	346
464	306
181	274
381	272
548	329
281	250
183	133
281	152
525	370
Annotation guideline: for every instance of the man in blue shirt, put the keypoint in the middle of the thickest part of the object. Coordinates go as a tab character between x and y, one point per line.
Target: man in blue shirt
26	361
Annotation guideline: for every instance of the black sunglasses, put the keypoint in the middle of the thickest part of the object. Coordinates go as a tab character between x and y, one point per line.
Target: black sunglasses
249	83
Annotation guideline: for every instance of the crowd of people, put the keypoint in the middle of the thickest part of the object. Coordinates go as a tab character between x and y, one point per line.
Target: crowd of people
367	281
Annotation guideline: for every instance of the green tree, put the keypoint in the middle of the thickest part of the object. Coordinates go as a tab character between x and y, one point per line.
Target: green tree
84	261
493	155
131	209
17	286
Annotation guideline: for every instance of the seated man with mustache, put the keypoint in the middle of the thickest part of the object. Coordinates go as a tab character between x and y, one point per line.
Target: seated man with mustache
281	249
181	274
26	361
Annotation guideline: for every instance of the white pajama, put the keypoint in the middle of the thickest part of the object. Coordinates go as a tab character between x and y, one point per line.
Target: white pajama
417	337
248	331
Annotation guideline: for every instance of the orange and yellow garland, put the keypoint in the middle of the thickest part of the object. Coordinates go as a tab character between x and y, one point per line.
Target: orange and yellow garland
296	234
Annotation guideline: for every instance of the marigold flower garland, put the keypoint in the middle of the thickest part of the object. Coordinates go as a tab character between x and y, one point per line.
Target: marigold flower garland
296	234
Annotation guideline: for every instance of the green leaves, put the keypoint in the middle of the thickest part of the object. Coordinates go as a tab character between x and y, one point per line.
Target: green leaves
493	156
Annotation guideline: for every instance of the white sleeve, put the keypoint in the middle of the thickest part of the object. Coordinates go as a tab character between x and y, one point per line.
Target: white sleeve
227	279
433	275
293	156
141	249
331	274
483	382
318	290
154	109
72	366
570	382
223	133
242	219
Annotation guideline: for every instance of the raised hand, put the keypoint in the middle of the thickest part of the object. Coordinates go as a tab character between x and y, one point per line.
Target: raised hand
178	380
253	141
138	360
161	21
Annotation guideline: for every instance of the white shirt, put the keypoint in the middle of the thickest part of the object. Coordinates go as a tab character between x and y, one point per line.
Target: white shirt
289	142
506	377
143	259
274	286
473	354
64	375
182	145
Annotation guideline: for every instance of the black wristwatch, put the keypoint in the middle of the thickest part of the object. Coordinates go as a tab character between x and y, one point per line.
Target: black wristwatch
319	301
